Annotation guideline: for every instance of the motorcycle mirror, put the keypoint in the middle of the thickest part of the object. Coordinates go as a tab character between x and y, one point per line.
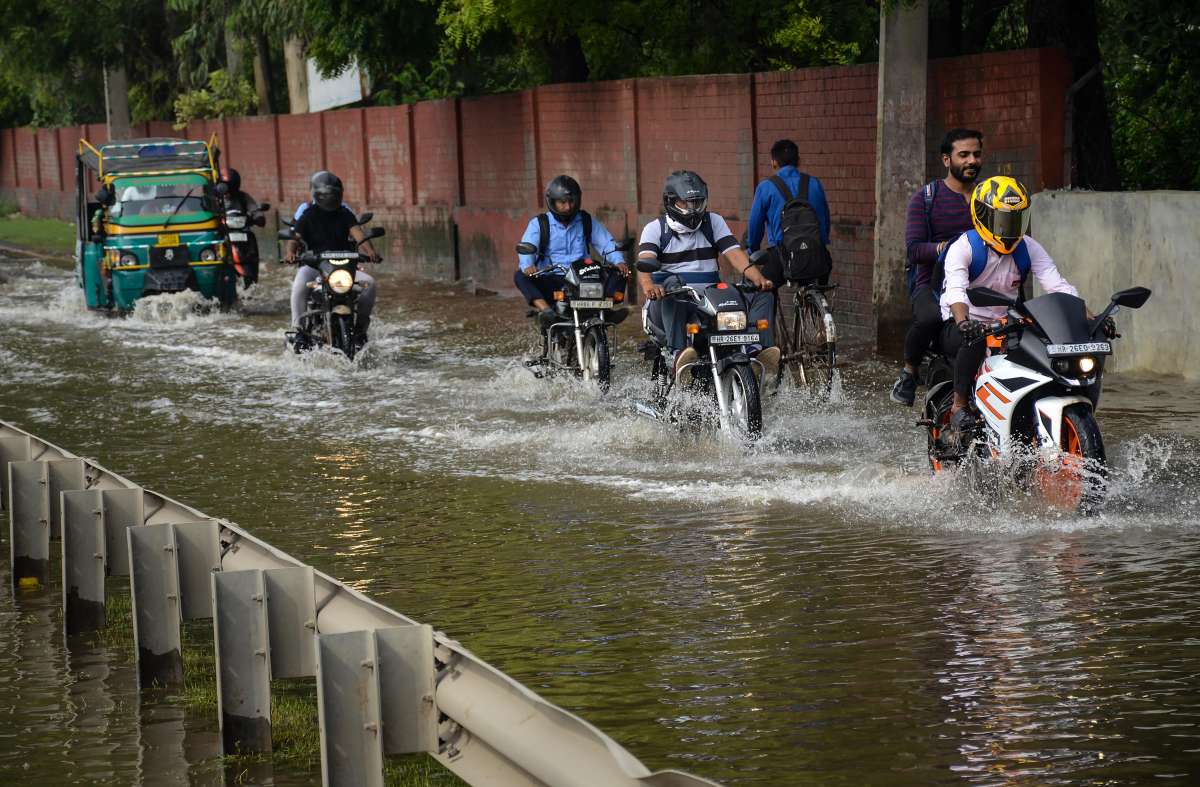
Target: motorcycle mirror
758	257
376	232
1133	298
221	189
363	218
102	195
526	248
985	296
647	266
287	222
624	245
264	206
288	234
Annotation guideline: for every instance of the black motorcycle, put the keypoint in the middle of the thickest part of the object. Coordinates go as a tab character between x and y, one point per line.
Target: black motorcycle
722	374
581	341
243	244
330	315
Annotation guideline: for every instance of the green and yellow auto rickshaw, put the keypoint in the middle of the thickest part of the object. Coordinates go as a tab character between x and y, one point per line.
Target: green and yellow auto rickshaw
153	225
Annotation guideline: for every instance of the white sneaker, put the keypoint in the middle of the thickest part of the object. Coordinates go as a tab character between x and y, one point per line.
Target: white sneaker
769	358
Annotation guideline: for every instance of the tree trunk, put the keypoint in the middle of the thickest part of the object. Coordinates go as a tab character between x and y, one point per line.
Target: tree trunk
567	62
1073	26
297	76
116	102
233	54
262	73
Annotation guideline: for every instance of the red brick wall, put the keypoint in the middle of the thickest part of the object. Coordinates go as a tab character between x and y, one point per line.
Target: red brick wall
26	156
253	154
388	155
497	150
344	153
299	157
8	158
435	128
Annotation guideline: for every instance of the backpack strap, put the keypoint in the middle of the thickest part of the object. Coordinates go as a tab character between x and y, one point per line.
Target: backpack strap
782	186
587	231
665	233
543	235
804	181
978	255
929	192
707	230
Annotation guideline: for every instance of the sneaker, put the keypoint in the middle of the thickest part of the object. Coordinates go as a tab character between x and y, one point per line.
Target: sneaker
769	371
546	318
962	429
686	355
905	390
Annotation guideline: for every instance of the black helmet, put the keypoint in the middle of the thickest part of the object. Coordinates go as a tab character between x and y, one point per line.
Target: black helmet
231	178
691	193
564	187
326	190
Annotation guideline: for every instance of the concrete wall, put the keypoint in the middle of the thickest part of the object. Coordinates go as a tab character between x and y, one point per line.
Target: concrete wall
466	174
1104	242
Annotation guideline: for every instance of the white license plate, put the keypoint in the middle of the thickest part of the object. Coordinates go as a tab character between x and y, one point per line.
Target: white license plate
733	338
1086	348
605	304
239	237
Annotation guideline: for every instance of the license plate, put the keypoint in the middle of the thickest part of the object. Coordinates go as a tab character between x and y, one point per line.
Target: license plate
605	304
168	239
733	338
1086	348
238	237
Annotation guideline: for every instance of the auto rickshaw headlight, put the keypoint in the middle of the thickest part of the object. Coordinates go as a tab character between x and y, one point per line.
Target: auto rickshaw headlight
340	281
208	255
128	258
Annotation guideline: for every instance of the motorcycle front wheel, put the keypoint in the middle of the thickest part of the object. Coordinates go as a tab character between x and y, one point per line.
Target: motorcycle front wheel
745	405
596	357
343	334
1075	479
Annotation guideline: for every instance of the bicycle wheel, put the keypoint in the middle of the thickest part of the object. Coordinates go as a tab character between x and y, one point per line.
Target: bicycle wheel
818	341
786	339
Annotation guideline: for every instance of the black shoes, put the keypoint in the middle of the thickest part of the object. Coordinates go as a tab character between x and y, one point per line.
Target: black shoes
905	390
546	318
962	429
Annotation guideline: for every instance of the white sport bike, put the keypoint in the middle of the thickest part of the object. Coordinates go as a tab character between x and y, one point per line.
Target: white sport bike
1035	395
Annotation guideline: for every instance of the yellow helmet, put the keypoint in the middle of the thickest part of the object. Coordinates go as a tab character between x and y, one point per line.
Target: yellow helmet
1000	212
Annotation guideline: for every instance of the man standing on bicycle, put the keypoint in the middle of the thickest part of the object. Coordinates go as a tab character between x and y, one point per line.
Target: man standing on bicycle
562	235
686	241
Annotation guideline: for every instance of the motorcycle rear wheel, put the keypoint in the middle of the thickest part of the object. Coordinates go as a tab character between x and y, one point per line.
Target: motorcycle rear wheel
1074	481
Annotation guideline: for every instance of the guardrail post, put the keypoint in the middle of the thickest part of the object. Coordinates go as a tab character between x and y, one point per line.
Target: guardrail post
348	709
154	587
241	638
64	475
12	449
123	509
29	523
83	557
292	617
199	556
406	685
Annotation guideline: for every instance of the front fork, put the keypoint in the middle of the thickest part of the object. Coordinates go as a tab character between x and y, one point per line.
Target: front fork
587	368
722	399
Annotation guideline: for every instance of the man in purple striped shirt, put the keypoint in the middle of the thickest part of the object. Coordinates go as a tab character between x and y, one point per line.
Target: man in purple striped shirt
937	214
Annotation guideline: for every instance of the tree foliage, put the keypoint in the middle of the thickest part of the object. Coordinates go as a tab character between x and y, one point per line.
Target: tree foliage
225	96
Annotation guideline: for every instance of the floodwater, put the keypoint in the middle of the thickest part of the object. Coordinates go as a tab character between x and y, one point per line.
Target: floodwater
816	610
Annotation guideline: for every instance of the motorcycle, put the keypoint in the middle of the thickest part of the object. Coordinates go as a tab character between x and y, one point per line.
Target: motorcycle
582	340
1036	394
723	373
237	225
330	315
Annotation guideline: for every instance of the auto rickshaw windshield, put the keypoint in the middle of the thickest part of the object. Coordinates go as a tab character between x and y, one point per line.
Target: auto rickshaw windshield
160	197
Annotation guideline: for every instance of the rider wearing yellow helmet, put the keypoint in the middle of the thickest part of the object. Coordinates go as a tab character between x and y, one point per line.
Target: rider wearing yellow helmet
994	253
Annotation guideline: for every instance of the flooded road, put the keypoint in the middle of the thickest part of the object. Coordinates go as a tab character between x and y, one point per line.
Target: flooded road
817	610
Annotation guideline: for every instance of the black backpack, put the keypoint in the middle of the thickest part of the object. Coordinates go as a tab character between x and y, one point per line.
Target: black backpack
801	249
544	233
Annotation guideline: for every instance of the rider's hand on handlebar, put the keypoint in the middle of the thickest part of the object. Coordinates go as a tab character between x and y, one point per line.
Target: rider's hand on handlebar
530	271
971	331
655	291
623	268
1109	328
374	256
289	258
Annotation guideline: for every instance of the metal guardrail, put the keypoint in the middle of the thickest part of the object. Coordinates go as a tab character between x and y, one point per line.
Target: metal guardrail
386	684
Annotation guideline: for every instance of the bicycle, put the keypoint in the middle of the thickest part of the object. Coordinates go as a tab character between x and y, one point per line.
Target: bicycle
808	345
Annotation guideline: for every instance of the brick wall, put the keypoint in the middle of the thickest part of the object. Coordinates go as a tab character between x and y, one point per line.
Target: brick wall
470	172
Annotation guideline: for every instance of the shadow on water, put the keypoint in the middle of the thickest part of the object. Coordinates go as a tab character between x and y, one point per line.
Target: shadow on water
817	609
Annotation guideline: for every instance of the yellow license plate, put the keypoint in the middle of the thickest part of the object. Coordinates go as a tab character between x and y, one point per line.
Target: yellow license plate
168	239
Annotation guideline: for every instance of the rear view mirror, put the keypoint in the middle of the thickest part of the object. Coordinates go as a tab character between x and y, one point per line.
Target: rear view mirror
526	248
376	232
624	245
264	206
287	234
984	296
758	257
364	218
1133	298
221	189
647	266
102	195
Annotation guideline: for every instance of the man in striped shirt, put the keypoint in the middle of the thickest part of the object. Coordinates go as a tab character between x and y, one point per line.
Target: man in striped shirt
937	214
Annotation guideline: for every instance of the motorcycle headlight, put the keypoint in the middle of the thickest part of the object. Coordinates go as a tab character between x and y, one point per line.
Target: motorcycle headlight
591	289
208	255
128	258
1087	364
340	281
731	321
235	222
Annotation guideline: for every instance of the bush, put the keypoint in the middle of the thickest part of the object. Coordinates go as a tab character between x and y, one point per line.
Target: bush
224	97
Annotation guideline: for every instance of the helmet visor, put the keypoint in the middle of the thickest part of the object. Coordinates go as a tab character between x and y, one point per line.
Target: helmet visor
688	207
328	198
1010	225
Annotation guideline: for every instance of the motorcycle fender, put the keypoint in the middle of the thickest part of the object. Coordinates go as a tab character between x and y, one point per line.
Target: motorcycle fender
723	364
592	323
1049	411
938	391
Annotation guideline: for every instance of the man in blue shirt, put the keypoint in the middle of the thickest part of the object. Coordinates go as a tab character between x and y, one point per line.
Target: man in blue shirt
566	244
769	202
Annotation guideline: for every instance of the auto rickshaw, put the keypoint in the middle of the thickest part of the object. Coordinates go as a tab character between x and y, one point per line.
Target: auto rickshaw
153	224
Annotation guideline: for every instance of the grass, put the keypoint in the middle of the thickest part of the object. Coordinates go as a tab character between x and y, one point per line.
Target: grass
295	734
48	236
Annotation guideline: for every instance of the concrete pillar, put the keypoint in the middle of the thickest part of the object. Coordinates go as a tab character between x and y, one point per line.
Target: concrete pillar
899	158
116	103
297	76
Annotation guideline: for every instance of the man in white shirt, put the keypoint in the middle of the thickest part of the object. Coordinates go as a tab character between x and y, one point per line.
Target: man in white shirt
687	241
994	253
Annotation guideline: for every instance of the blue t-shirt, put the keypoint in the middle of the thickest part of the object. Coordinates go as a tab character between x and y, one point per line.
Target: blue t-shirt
768	206
566	243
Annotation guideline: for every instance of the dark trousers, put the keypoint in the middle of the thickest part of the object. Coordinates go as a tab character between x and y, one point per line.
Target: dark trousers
544	287
927	322
967	358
